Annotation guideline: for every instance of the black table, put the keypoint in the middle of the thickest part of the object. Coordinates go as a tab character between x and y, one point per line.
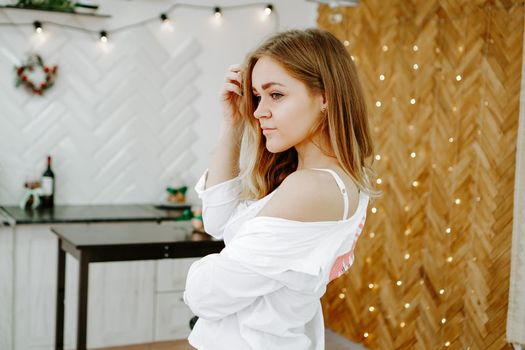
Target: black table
118	242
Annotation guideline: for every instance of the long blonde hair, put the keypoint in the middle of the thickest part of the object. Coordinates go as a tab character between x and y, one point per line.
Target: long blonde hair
320	61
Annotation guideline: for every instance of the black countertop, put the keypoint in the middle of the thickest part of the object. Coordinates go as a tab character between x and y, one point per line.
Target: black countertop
89	213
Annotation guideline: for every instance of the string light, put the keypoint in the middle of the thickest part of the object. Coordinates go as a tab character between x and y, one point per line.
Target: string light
370	286
269	9
38	27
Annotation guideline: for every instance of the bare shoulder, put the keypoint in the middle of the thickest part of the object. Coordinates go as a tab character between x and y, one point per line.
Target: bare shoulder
305	195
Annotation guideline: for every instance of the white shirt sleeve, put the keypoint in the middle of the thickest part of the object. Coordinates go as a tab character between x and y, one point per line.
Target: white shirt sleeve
218	203
217	286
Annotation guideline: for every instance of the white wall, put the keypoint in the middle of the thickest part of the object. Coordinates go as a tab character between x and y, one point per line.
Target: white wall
126	119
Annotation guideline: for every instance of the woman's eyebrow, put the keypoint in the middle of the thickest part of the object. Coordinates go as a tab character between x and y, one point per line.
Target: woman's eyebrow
267	85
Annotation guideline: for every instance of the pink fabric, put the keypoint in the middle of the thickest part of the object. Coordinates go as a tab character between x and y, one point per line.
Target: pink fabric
343	262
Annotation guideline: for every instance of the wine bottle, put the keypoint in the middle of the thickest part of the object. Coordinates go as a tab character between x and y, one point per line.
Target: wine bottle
48	186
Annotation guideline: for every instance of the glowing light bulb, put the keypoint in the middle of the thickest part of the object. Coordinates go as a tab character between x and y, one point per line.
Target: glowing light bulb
415	66
413	154
413	101
38	27
381	77
407	305
458	77
372	234
371	309
374	210
415	183
217	12
370	285
385	48
457	201
341	296
399	283
104	36
415	48
346	43
449	259
448	230
407	256
402	324
365	334
378	157
450	139
378	104
268	9
441	291
379	181
443	320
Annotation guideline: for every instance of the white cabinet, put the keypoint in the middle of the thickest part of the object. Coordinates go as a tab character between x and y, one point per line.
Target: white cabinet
172	315
129	302
6	287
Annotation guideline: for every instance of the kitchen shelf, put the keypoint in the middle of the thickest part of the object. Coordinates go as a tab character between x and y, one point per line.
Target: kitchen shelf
12	7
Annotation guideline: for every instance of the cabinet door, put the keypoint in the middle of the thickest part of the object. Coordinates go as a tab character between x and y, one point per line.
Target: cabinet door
172	317
35	287
121	295
171	274
6	286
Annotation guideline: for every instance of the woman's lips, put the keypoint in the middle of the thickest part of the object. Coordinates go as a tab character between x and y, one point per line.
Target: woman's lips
267	130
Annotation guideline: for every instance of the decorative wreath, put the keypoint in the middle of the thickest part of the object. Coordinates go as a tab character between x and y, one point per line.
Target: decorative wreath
33	63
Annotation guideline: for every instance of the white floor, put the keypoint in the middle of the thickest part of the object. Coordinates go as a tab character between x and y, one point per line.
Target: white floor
336	342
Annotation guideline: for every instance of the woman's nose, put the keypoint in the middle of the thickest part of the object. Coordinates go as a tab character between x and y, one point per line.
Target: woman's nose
261	111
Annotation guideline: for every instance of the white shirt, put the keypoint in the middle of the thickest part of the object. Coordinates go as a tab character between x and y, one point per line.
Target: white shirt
263	290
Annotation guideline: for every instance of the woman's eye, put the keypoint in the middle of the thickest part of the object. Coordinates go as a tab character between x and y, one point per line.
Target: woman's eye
276	95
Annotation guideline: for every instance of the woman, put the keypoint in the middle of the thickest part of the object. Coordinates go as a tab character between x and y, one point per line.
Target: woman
291	210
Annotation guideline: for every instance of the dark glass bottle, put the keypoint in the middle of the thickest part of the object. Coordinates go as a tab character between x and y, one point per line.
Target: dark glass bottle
48	186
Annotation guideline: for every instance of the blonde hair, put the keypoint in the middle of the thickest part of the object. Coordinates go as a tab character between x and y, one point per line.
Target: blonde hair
320	61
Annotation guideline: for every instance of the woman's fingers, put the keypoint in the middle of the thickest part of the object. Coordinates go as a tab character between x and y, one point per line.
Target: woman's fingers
233	88
235	68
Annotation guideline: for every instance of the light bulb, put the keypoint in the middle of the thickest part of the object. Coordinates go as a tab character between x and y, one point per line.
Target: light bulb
217	12
38	27
268	9
103	36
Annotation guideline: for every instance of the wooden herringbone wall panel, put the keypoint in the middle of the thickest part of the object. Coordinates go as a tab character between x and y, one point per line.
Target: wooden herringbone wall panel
442	80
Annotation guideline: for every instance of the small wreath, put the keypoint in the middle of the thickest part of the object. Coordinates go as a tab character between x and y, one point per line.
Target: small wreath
33	64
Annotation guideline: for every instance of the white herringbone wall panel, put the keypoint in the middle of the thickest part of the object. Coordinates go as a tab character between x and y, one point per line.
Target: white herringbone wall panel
118	121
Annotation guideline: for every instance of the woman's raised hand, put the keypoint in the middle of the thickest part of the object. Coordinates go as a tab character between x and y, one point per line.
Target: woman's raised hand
231	96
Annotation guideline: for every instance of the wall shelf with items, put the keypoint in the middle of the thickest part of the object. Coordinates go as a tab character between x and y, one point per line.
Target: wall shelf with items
30	8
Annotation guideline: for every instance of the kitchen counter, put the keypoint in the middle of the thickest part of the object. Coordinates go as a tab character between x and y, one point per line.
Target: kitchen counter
89	214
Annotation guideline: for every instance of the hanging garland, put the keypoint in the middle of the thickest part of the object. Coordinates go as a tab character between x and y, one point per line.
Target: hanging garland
34	64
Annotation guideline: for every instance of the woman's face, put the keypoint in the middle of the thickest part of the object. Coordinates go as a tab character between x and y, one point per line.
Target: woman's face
284	105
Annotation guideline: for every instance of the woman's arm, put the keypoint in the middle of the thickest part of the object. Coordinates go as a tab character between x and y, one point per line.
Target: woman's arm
225	162
217	286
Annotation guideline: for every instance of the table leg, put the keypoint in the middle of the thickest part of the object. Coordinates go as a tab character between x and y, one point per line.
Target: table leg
83	275
61	278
